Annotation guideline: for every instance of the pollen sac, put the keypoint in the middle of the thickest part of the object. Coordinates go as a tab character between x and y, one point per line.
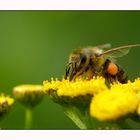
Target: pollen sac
29	95
5	104
112	69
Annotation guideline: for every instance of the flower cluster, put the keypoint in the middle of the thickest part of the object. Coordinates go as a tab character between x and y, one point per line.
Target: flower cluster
5	104
105	104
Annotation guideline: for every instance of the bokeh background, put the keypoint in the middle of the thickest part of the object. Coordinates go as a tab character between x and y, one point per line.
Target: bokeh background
34	46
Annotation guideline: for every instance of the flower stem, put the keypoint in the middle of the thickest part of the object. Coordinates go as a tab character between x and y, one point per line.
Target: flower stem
78	116
28	118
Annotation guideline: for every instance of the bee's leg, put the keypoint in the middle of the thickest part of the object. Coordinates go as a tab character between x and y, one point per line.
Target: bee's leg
73	72
67	72
98	72
113	73
107	72
84	72
81	72
121	76
70	71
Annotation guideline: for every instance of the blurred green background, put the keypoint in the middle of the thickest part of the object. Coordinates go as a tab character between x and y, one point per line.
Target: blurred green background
34	46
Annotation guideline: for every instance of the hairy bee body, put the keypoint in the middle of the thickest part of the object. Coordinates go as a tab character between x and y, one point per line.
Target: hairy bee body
94	61
120	75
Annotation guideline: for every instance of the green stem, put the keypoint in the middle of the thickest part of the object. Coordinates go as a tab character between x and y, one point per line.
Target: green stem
28	118
79	117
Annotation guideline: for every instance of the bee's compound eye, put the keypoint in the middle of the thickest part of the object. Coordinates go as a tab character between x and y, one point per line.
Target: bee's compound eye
83	58
112	69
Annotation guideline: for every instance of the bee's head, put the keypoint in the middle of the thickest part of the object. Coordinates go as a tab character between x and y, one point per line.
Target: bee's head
76	62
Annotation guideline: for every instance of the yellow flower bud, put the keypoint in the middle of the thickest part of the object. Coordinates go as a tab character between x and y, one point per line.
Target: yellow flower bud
29	95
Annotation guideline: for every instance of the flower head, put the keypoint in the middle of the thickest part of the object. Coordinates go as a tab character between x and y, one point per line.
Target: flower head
29	95
5	104
53	85
118	101
79	87
78	92
113	104
135	85
130	86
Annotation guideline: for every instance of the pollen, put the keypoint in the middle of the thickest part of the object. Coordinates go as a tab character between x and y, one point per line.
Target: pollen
82	87
53	85
112	69
130	86
79	87
136	85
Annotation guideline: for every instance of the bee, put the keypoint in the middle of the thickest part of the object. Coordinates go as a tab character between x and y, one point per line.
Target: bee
96	61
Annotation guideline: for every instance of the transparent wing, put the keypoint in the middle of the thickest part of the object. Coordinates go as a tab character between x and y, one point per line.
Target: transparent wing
104	46
119	51
101	47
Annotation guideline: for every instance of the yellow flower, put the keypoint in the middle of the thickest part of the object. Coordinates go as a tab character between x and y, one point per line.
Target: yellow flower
7	99
53	85
136	85
30	95
79	87
130	86
138	109
5	104
113	103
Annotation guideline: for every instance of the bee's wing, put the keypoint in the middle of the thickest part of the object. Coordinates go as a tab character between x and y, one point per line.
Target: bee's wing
119	51
99	49
104	46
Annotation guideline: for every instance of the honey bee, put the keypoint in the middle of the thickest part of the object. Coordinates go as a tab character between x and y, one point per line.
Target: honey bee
95	61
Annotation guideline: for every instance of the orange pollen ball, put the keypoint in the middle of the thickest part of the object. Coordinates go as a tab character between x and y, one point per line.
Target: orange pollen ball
112	69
